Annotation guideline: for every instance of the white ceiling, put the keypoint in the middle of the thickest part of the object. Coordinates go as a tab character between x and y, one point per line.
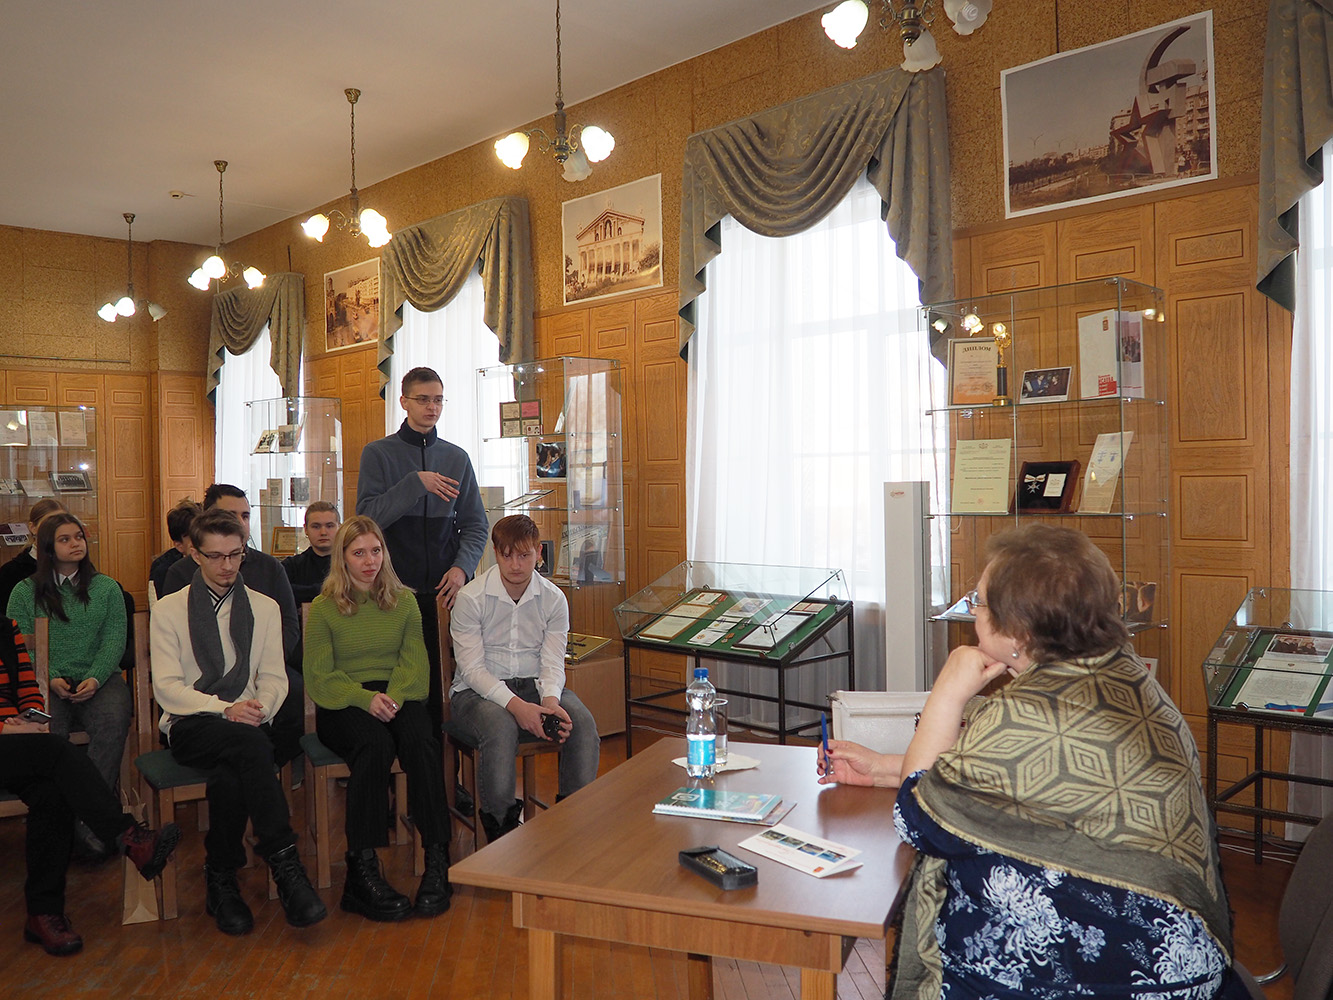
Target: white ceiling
107	106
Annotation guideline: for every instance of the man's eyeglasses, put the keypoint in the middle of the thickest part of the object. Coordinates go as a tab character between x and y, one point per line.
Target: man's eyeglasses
218	558
973	601
427	400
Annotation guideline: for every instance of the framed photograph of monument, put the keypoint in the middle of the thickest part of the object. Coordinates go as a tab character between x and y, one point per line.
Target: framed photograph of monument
1113	119
613	241
352	306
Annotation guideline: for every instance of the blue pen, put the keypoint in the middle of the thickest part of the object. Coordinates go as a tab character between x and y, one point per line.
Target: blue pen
823	735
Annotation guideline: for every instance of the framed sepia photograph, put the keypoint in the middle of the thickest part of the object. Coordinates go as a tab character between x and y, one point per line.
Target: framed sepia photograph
1046	487
283	541
70	482
1045	385
1108	120
352	306
972	378
613	240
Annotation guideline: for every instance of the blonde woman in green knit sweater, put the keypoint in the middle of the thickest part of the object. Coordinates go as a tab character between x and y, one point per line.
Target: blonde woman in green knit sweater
86	612
367	673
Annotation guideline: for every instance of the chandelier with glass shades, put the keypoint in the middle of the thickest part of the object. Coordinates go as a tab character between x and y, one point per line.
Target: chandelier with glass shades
845	22
215	267
125	305
574	148
359	222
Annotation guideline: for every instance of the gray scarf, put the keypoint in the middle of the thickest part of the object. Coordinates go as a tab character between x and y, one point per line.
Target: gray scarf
206	641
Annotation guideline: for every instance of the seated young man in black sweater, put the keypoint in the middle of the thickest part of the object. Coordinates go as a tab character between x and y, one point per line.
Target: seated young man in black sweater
178	527
307	570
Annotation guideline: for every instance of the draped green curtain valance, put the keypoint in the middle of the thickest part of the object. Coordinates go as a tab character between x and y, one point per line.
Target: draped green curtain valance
781	171
239	316
1296	122
428	263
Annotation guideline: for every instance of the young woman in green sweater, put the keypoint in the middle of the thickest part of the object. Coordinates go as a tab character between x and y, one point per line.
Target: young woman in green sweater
367	673
86	612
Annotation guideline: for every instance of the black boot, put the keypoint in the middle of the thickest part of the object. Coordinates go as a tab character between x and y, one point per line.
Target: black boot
434	892
497	828
224	903
512	817
298	897
366	892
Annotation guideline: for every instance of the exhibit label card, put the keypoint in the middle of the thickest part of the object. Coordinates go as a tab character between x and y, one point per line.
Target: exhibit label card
981	476
1108	455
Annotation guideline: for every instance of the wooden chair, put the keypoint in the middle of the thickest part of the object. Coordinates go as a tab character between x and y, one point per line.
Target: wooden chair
323	768
460	741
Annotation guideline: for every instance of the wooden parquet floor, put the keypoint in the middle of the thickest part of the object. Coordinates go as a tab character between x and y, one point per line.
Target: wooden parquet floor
473	952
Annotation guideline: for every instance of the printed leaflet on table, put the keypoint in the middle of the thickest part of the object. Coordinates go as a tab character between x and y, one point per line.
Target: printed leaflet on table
802	851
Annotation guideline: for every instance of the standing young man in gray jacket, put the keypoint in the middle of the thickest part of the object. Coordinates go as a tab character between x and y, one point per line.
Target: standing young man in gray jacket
422	492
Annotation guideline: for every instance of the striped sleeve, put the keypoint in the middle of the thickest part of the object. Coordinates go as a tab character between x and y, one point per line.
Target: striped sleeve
25	684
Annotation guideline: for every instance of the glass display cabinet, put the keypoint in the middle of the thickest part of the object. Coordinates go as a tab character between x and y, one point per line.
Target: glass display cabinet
786	620
295	460
47	453
1053	408
1269	670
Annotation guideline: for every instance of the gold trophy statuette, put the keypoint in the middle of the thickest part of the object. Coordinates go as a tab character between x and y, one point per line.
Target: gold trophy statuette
1002	340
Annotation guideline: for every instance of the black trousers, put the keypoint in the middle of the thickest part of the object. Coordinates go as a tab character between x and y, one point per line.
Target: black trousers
289	720
369	747
59	784
242	786
430	631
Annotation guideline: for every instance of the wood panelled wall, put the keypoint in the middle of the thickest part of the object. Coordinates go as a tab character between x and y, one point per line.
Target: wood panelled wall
131	519
1229	354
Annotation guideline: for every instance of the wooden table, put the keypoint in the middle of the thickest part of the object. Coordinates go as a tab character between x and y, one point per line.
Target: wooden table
602	865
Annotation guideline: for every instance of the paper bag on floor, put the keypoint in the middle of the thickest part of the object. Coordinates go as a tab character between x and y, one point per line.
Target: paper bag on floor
140	894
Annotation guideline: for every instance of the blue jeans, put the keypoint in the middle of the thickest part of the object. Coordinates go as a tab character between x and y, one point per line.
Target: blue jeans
497	736
105	717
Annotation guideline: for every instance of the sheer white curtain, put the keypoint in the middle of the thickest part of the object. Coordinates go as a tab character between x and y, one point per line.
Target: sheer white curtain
809	378
242	379
455	341
1312	450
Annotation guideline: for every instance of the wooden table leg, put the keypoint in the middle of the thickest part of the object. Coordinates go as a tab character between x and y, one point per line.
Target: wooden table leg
543	965
699	977
818	985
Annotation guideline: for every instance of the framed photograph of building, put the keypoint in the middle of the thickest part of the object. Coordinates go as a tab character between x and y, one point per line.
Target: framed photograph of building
613	241
352	306
1112	119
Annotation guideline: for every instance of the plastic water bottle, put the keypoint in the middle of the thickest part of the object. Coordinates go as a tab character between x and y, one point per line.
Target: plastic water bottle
701	726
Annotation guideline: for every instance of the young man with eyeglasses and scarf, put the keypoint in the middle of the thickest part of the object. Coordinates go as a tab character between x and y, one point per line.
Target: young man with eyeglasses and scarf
421	490
219	678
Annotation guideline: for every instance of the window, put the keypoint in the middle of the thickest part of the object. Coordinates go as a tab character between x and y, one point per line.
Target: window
809	380
242	379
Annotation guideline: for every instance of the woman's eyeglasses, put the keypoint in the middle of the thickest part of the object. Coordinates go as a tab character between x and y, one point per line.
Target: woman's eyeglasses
973	601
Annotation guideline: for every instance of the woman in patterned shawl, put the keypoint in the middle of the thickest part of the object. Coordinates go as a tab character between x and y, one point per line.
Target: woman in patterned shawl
1065	846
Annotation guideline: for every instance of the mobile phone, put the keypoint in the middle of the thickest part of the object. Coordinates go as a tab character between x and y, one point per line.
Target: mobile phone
551	726
34	715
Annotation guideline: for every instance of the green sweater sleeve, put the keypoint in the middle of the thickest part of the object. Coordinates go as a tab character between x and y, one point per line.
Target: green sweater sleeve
107	606
410	680
21	606
329	686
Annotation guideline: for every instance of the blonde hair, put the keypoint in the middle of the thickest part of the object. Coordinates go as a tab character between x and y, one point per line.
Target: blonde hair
338	586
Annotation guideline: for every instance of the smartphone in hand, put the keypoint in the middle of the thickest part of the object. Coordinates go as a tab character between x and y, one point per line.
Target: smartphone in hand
34	715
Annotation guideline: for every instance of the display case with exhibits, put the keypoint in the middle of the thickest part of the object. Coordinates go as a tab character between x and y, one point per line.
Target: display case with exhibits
551	448
1053	407
47	452
780	617
295	447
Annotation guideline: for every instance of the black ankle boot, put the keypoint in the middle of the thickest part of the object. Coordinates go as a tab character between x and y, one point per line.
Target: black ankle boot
224	903
497	828
434	892
366	892
298	897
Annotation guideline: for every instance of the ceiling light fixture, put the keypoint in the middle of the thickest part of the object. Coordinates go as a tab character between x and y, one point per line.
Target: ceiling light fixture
215	267
125	305
845	22
574	148
368	223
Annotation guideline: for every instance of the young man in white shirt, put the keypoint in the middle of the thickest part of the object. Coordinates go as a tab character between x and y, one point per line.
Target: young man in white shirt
510	627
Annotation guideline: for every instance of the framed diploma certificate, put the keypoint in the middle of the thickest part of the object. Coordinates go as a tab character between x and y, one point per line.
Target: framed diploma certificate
972	379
